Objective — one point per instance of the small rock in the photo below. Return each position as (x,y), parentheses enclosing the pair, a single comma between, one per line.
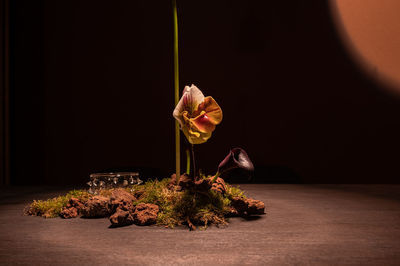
(75,202)
(121,218)
(97,206)
(120,198)
(121,202)
(72,209)
(68,213)
(138,193)
(145,214)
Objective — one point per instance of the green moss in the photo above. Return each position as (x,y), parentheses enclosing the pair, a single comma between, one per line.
(234,191)
(79,194)
(176,208)
(152,191)
(52,207)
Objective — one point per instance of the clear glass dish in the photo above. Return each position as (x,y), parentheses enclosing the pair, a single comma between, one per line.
(99,181)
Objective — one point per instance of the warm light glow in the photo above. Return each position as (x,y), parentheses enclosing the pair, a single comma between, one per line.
(371,32)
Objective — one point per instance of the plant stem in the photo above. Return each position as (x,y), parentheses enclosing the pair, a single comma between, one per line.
(176,83)
(194,162)
(215,177)
(187,161)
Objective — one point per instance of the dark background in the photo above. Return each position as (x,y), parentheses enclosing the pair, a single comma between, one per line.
(92,89)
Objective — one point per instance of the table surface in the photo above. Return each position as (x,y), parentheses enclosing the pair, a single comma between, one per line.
(304,225)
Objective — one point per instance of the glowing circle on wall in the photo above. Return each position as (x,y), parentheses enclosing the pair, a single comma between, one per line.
(370,30)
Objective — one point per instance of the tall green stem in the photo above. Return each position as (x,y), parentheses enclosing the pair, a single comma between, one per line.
(176,83)
(193,162)
(187,161)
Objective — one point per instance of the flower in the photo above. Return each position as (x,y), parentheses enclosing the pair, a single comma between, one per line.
(237,158)
(197,115)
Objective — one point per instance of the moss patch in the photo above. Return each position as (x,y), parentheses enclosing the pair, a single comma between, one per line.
(52,207)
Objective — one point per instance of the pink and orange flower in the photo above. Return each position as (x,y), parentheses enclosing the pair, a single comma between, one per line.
(197,115)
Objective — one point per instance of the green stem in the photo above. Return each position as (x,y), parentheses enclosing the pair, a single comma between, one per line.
(194,162)
(176,83)
(187,161)
(215,177)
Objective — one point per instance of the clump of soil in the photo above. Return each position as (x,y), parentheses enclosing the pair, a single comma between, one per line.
(192,202)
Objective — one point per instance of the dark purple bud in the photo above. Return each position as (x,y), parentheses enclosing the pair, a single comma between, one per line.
(237,158)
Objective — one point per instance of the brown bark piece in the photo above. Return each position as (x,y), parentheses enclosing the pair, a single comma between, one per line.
(185,182)
(242,206)
(218,185)
(203,185)
(255,207)
(191,226)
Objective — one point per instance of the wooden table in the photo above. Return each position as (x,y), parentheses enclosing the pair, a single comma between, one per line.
(304,225)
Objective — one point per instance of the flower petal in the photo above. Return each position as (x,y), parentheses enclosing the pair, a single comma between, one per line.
(212,109)
(178,113)
(189,102)
(195,137)
(243,159)
(192,97)
(203,123)
(237,158)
